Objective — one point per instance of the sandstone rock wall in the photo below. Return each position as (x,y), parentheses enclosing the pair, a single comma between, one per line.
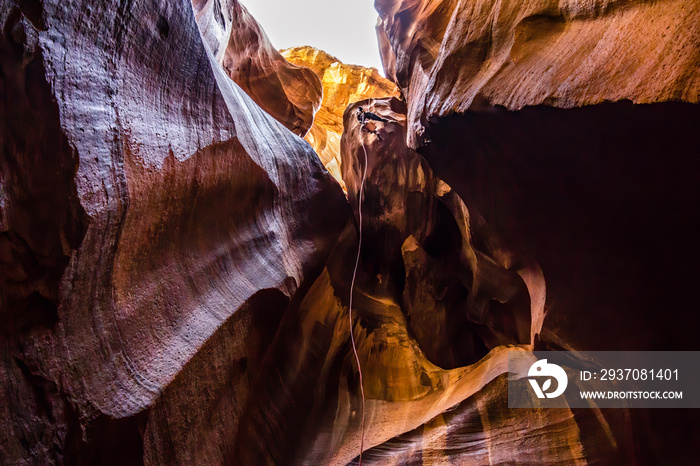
(439,301)
(291,94)
(342,85)
(570,128)
(426,325)
(147,204)
(176,263)
(454,55)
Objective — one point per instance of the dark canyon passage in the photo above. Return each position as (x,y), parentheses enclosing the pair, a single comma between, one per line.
(176,262)
(607,199)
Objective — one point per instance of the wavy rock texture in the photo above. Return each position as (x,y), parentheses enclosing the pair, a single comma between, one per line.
(465,310)
(573,186)
(291,94)
(438,303)
(155,224)
(176,264)
(463,297)
(532,112)
(342,85)
(453,55)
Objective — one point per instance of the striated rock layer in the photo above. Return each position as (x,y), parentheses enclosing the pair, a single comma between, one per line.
(438,302)
(342,85)
(154,225)
(411,218)
(454,55)
(176,264)
(464,297)
(534,119)
(570,128)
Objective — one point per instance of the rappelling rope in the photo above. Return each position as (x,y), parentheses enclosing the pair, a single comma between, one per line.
(352,287)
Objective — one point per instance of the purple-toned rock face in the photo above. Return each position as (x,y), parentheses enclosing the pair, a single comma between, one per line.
(147,205)
(176,264)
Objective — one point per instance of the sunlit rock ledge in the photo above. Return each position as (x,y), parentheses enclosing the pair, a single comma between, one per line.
(342,85)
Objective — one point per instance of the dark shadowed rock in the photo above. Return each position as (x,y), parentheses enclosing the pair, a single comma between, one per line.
(451,56)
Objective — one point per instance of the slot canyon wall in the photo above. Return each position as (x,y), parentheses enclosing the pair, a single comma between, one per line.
(156,224)
(176,262)
(342,84)
(570,128)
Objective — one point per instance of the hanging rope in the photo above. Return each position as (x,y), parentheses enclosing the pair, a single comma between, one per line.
(352,287)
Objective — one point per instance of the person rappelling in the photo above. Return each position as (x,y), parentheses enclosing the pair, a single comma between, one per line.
(367,120)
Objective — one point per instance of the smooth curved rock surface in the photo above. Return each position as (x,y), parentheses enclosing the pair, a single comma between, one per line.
(451,56)
(147,203)
(569,127)
(482,430)
(291,94)
(342,85)
(413,221)
(473,306)
(438,303)
(176,264)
